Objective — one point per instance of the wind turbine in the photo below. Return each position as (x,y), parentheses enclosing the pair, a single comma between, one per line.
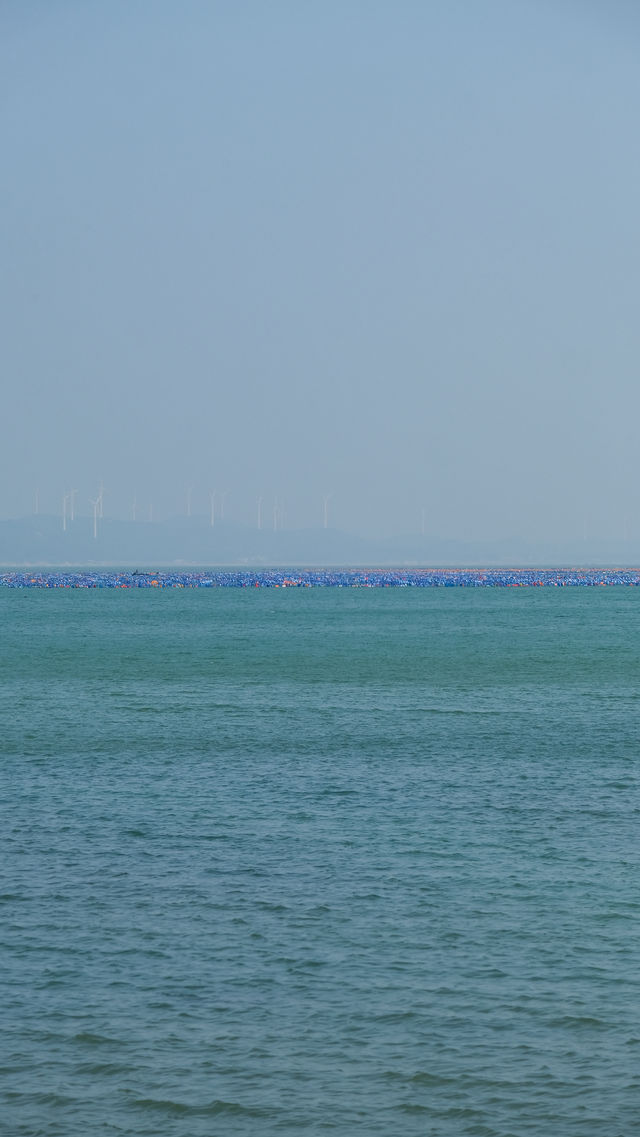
(72,495)
(212,501)
(65,498)
(260,512)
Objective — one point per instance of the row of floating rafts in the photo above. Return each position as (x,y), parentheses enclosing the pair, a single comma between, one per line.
(328,578)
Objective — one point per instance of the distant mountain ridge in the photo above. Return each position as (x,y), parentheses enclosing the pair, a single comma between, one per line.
(41,540)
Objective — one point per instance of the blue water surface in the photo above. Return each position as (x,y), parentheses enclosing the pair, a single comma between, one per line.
(320,860)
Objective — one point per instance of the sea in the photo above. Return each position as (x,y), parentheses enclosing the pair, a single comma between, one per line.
(303,860)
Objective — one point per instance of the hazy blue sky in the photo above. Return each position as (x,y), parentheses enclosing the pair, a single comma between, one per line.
(387,251)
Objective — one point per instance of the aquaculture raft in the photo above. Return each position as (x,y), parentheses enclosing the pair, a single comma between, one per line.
(329,578)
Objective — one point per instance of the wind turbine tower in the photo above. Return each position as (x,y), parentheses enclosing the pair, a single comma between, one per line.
(326,499)
(95,505)
(278,514)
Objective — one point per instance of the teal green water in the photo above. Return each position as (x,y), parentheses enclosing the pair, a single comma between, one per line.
(320,860)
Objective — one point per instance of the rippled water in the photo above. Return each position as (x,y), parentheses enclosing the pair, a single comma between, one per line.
(306,861)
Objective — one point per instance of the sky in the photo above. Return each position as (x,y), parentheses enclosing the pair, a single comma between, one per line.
(382,254)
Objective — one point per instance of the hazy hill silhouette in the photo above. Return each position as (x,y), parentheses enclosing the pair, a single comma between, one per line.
(41,540)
